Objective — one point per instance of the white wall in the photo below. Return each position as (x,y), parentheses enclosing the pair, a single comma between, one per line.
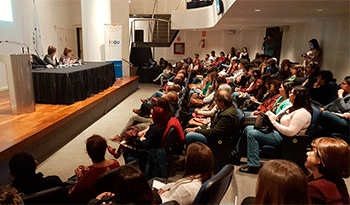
(332,34)
(146,6)
(215,40)
(120,16)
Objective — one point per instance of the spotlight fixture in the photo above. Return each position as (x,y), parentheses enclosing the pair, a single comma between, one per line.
(257,10)
(320,9)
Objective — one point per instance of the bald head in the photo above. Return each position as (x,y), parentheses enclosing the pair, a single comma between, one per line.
(224,97)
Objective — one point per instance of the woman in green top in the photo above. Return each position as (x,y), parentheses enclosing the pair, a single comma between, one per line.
(283,101)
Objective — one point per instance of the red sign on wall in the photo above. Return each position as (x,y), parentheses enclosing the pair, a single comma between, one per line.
(204,33)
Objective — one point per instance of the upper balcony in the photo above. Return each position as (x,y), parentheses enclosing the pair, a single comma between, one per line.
(199,18)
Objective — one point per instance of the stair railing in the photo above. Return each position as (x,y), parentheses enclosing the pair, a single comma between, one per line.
(154,21)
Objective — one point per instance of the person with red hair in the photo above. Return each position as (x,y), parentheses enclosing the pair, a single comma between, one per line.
(151,142)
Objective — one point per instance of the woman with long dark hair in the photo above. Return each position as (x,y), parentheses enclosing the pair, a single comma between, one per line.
(199,164)
(295,120)
(313,54)
(130,186)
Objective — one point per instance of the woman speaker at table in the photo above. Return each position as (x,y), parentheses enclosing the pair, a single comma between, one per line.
(67,57)
(51,57)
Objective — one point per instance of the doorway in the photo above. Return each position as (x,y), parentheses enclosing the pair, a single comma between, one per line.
(80,42)
(277,34)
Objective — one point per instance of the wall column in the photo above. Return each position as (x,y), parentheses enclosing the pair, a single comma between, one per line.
(94,14)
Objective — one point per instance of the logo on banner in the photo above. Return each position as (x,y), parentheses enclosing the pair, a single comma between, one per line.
(114,43)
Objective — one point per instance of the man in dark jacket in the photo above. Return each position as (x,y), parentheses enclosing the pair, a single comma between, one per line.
(22,167)
(223,122)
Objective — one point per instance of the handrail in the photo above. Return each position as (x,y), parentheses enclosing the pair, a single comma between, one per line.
(179,4)
(151,25)
(127,62)
(151,19)
(133,27)
(154,7)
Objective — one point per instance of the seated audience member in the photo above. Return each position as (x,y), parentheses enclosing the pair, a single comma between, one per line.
(329,163)
(84,188)
(51,57)
(163,63)
(197,68)
(202,89)
(283,102)
(164,75)
(242,80)
(252,87)
(296,75)
(271,66)
(323,91)
(9,195)
(199,163)
(280,182)
(67,57)
(237,71)
(147,106)
(295,120)
(269,103)
(244,54)
(268,90)
(219,85)
(151,141)
(129,187)
(22,167)
(312,72)
(335,117)
(38,63)
(221,124)
(222,58)
(284,71)
(143,123)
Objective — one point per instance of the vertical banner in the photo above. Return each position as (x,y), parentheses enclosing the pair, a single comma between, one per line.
(113,47)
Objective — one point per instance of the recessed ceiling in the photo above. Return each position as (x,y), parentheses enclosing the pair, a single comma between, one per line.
(267,13)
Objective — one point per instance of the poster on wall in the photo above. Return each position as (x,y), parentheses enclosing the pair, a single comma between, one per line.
(179,48)
(113,47)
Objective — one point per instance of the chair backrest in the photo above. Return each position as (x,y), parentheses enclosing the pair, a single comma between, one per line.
(213,190)
(55,195)
(104,181)
(316,116)
(239,126)
(170,138)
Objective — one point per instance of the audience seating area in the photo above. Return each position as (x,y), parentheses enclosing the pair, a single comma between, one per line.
(250,88)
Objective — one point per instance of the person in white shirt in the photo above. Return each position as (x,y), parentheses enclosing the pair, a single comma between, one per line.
(199,163)
(296,120)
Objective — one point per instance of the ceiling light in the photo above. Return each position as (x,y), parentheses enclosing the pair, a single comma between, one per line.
(319,10)
(257,10)
(129,1)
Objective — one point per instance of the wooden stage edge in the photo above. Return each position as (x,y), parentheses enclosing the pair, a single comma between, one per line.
(50,127)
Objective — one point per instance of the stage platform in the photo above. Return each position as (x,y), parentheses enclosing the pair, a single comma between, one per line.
(50,127)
